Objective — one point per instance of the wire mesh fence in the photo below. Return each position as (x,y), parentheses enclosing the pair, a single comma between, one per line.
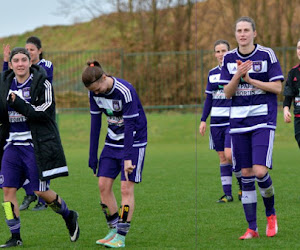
(163,80)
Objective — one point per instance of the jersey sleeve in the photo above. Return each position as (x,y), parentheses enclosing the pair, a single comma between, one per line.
(274,70)
(208,101)
(130,114)
(5,66)
(225,76)
(289,88)
(96,115)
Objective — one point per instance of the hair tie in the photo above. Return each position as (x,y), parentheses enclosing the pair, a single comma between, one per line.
(92,65)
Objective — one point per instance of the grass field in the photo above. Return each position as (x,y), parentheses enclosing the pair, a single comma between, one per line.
(175,203)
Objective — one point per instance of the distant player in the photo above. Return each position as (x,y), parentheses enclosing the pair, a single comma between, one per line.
(30,145)
(253,77)
(34,47)
(292,94)
(218,107)
(124,149)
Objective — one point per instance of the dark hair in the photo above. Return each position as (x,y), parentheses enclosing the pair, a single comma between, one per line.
(19,50)
(218,42)
(37,42)
(92,73)
(246,19)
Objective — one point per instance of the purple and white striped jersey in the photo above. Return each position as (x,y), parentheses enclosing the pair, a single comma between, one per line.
(251,107)
(121,105)
(219,107)
(19,132)
(48,66)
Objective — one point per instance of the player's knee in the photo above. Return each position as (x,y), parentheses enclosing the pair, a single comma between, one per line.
(103,188)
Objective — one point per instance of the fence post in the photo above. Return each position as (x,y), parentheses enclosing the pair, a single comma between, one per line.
(202,75)
(122,63)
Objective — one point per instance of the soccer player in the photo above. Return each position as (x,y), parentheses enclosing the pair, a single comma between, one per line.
(253,77)
(218,107)
(34,46)
(124,148)
(291,93)
(30,145)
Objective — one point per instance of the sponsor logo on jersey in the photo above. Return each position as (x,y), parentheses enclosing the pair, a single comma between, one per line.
(109,112)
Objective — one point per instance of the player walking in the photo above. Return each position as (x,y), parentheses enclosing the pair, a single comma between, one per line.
(218,107)
(30,146)
(253,76)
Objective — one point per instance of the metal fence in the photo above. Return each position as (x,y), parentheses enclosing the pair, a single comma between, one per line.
(163,80)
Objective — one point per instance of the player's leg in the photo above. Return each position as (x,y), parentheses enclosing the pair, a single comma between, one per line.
(109,168)
(127,191)
(41,188)
(41,204)
(263,141)
(226,178)
(29,197)
(109,207)
(297,129)
(228,155)
(59,206)
(242,158)
(217,139)
(12,175)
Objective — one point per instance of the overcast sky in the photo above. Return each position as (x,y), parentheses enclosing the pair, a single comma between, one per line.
(20,16)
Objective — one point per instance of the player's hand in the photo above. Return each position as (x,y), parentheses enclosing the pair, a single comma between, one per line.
(6,52)
(128,168)
(12,97)
(243,68)
(202,128)
(93,165)
(287,115)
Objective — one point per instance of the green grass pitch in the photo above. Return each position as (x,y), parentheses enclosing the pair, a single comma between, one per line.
(175,203)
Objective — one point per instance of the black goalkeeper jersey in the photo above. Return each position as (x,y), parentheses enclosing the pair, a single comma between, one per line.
(291,89)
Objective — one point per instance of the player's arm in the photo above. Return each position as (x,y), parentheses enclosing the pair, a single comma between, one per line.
(205,114)
(289,93)
(273,87)
(39,112)
(6,54)
(96,116)
(130,114)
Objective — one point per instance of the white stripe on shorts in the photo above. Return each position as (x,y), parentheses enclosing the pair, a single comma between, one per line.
(42,186)
(139,165)
(270,149)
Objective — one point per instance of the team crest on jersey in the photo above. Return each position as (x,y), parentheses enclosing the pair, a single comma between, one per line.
(116,105)
(26,93)
(1,179)
(257,66)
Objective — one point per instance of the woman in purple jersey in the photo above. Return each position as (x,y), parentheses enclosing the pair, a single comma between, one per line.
(219,124)
(30,145)
(34,47)
(124,149)
(253,76)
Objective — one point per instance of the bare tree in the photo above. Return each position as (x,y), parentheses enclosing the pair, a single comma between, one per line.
(82,10)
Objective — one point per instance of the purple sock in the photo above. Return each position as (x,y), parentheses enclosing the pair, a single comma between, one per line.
(267,192)
(249,200)
(226,178)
